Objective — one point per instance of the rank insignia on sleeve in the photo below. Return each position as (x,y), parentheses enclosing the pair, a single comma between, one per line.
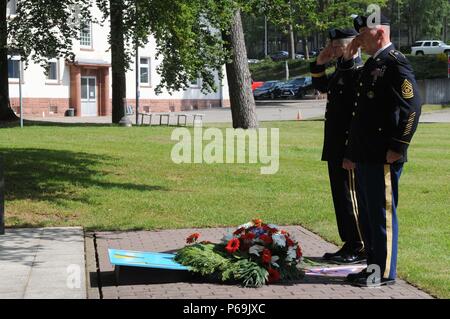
(407,90)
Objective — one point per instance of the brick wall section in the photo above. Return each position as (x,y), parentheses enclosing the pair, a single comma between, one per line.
(58,107)
(38,106)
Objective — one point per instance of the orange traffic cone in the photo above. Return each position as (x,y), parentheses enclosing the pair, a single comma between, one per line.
(299,116)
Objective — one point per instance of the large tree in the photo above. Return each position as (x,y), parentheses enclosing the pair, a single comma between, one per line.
(243,106)
(6,113)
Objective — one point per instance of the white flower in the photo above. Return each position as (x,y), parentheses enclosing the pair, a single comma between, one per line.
(227,238)
(247,226)
(291,254)
(256,249)
(279,239)
(274,261)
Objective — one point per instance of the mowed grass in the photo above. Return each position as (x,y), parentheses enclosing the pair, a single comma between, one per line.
(110,178)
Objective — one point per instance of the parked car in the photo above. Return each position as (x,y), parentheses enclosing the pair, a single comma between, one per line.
(253,61)
(297,88)
(429,47)
(270,90)
(280,56)
(256,85)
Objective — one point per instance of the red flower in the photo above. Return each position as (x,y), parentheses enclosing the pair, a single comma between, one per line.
(266,256)
(232,246)
(299,252)
(266,239)
(289,242)
(248,236)
(193,238)
(274,276)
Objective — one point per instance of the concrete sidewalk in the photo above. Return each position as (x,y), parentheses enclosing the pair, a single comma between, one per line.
(162,285)
(42,263)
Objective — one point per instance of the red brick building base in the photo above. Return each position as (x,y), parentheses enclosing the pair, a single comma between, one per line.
(46,107)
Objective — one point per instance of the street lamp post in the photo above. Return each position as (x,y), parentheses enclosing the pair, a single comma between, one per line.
(399,27)
(137,82)
(266,42)
(2,198)
(20,94)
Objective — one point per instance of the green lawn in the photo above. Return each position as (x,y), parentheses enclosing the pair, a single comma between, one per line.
(109,178)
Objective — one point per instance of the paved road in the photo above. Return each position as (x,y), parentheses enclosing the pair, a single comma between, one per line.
(169,285)
(42,263)
(436,117)
(266,111)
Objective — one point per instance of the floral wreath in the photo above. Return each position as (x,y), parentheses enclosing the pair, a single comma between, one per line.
(254,255)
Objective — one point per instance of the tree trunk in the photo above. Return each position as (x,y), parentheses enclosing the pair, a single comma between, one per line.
(445,29)
(243,107)
(306,48)
(118,66)
(6,113)
(291,43)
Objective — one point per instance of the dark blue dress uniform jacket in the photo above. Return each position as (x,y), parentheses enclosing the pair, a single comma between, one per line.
(388,107)
(341,90)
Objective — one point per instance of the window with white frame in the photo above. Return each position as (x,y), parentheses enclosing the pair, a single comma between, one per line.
(86,34)
(195,83)
(53,71)
(14,68)
(145,71)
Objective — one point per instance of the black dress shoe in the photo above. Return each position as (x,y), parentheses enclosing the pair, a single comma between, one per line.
(353,277)
(372,283)
(349,258)
(340,252)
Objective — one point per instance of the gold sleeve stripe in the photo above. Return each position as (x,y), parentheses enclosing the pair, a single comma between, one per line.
(317,75)
(400,141)
(410,124)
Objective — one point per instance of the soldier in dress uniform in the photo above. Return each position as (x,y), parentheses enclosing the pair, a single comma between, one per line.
(388,107)
(340,88)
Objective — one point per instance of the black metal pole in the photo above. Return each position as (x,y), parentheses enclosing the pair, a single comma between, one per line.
(2,198)
(137,82)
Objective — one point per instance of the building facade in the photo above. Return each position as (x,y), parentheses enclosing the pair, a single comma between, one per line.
(85,85)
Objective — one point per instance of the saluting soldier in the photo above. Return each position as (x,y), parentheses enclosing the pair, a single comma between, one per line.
(388,107)
(340,88)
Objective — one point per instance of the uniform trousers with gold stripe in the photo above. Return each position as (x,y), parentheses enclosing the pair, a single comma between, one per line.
(343,190)
(377,191)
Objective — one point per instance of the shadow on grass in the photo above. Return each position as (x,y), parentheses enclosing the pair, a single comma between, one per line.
(52,175)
